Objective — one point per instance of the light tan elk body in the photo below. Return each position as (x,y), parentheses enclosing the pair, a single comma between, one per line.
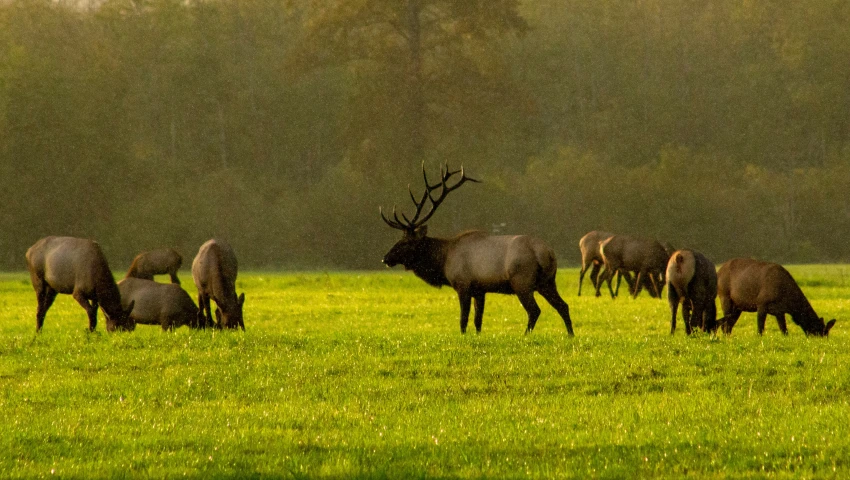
(746,285)
(77,267)
(644,257)
(214,272)
(692,281)
(591,256)
(475,263)
(156,262)
(164,304)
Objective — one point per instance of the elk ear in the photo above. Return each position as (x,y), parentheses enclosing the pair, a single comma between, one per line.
(828,326)
(241,298)
(421,232)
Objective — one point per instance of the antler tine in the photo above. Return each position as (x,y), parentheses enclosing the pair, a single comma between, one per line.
(389,222)
(444,191)
(446,174)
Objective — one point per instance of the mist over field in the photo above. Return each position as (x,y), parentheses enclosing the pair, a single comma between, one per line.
(282,125)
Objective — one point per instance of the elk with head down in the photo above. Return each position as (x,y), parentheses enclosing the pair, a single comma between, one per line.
(692,281)
(156,262)
(214,271)
(592,256)
(746,285)
(475,263)
(77,267)
(163,304)
(647,258)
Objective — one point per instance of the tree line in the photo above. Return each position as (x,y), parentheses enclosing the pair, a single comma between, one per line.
(283,125)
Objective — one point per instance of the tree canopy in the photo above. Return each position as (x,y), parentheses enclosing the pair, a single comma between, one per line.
(282,125)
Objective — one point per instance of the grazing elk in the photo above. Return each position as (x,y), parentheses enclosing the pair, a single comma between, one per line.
(156,262)
(214,271)
(591,256)
(644,257)
(475,263)
(746,285)
(692,281)
(164,304)
(77,267)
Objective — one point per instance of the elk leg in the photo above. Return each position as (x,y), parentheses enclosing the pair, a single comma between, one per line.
(729,321)
(654,285)
(530,305)
(709,321)
(638,285)
(673,299)
(45,299)
(599,280)
(761,317)
(609,275)
(581,277)
(91,309)
(686,315)
(619,278)
(479,312)
(629,281)
(174,278)
(549,291)
(783,327)
(205,310)
(465,302)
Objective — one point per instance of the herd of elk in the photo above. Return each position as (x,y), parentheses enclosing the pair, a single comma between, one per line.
(77,267)
(473,263)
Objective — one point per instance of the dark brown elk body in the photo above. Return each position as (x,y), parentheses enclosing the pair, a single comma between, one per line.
(156,262)
(77,267)
(214,272)
(692,281)
(475,263)
(591,256)
(644,257)
(164,304)
(746,285)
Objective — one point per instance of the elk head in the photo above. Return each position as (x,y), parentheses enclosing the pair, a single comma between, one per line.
(826,328)
(412,247)
(232,318)
(122,321)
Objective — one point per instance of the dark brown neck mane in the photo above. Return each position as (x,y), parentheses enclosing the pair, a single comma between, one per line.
(430,261)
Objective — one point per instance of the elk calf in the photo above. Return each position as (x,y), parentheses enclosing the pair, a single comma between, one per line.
(164,304)
(746,285)
(692,281)
(77,267)
(156,262)
(475,263)
(214,272)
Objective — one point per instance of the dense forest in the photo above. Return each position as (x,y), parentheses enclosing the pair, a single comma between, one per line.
(283,125)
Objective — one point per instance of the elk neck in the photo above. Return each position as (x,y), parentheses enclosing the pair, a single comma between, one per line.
(430,261)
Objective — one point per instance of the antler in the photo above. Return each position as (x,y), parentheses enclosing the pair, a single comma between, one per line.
(445,174)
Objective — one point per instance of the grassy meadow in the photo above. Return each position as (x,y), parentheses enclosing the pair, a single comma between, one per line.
(365,374)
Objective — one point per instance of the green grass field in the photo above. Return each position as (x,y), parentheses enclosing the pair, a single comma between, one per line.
(367,375)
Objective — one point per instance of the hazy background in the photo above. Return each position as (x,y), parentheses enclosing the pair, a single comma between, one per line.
(723,125)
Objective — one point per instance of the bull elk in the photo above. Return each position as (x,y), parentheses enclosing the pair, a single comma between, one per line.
(692,281)
(76,267)
(746,285)
(156,262)
(214,271)
(474,263)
